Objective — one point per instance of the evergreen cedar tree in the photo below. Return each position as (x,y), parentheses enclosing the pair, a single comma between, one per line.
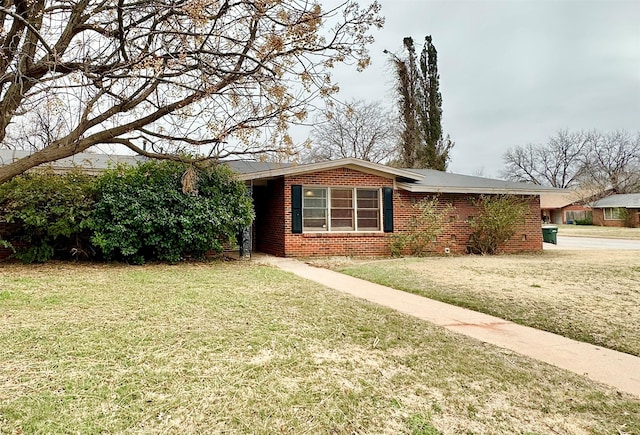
(420,105)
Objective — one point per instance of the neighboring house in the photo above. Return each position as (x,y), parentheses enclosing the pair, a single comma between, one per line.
(617,210)
(350,206)
(563,207)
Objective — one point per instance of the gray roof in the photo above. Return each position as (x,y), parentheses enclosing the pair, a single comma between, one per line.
(264,171)
(446,182)
(413,180)
(90,162)
(251,166)
(627,200)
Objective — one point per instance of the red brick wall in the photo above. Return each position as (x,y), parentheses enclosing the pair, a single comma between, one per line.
(456,231)
(598,218)
(270,225)
(270,216)
(327,244)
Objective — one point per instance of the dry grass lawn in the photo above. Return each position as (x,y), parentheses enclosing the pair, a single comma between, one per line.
(239,348)
(597,231)
(590,296)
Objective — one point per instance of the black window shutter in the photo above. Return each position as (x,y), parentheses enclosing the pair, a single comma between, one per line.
(387,211)
(296,209)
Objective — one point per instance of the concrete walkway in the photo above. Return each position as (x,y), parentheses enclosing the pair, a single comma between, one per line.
(616,369)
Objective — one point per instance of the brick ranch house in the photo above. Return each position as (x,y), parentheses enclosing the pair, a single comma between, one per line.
(564,207)
(349,207)
(617,210)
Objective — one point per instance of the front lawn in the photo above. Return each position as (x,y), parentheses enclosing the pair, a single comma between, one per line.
(598,231)
(587,296)
(241,348)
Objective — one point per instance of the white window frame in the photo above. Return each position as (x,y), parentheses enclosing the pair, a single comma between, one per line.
(613,213)
(354,199)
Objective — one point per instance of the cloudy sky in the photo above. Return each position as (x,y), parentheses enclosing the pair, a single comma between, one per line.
(514,72)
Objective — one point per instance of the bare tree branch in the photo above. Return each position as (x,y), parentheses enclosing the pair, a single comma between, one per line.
(358,129)
(210,78)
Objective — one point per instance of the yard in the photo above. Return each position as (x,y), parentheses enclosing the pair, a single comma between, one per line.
(597,231)
(243,348)
(592,296)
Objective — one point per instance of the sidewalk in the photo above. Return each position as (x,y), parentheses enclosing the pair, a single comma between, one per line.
(616,369)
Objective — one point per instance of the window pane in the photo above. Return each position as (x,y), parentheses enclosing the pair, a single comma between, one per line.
(367,198)
(315,224)
(368,224)
(316,197)
(314,209)
(315,203)
(368,209)
(341,219)
(368,220)
(315,213)
(342,209)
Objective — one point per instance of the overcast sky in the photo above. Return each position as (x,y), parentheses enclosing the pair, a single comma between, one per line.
(514,72)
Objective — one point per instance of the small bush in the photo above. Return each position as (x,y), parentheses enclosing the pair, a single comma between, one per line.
(168,210)
(51,211)
(628,217)
(587,221)
(427,221)
(497,221)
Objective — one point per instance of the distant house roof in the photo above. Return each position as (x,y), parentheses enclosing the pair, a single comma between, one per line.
(562,198)
(412,180)
(627,200)
(90,162)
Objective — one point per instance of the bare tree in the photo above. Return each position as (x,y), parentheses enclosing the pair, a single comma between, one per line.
(612,163)
(213,77)
(559,163)
(359,129)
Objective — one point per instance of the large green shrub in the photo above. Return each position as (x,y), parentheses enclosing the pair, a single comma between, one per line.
(51,211)
(497,221)
(163,210)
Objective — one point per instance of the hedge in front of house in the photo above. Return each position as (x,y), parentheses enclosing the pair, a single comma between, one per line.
(164,210)
(50,213)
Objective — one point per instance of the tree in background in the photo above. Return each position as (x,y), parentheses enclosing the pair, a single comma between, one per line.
(558,163)
(612,163)
(420,106)
(161,77)
(598,163)
(359,129)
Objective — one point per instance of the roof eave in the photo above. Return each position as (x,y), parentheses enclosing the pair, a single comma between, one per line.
(472,190)
(360,165)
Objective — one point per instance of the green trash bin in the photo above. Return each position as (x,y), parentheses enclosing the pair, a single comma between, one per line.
(550,234)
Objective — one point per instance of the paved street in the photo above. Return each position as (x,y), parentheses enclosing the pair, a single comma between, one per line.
(568,242)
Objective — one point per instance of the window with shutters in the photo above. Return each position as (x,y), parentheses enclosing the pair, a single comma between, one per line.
(340,209)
